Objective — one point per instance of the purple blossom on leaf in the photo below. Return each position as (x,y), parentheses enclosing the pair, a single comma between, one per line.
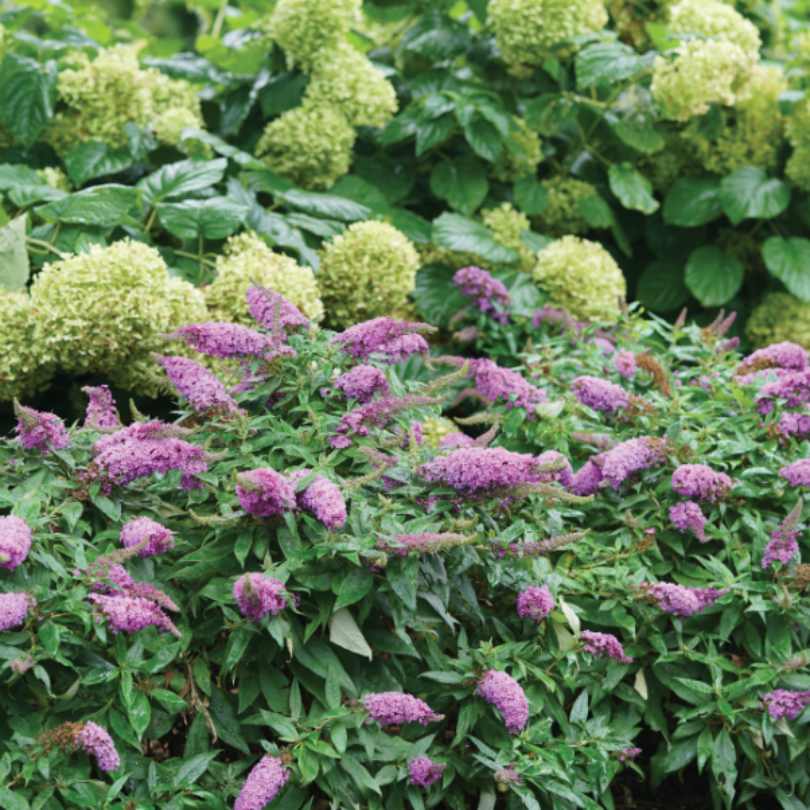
(564,476)
(228,341)
(797,473)
(129,614)
(794,425)
(265,492)
(160,539)
(587,479)
(599,394)
(95,740)
(625,362)
(487,293)
(701,483)
(778,355)
(604,645)
(272,311)
(14,608)
(387,340)
(689,517)
(505,693)
(361,420)
(257,594)
(678,599)
(323,498)
(507,776)
(363,383)
(783,545)
(619,463)
(793,387)
(197,384)
(783,703)
(498,383)
(396,708)
(15,541)
(422,772)
(101,410)
(535,603)
(40,431)
(264,782)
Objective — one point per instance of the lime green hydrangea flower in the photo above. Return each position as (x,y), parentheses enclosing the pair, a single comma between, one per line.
(528,31)
(779,317)
(305,28)
(752,132)
(435,429)
(506,225)
(56,178)
(103,311)
(168,128)
(24,369)
(798,131)
(345,79)
(367,272)
(512,166)
(666,165)
(716,20)
(248,258)
(562,214)
(581,277)
(701,73)
(312,146)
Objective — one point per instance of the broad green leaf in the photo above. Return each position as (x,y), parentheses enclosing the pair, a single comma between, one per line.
(436,37)
(693,201)
(283,92)
(181,178)
(484,138)
(13,255)
(633,189)
(222,147)
(19,175)
(596,212)
(27,96)
(433,132)
(748,192)
(607,62)
(214,218)
(639,134)
(192,769)
(359,773)
(724,763)
(344,632)
(169,700)
(457,232)
(463,183)
(9,800)
(789,261)
(704,747)
(661,286)
(579,711)
(139,713)
(531,196)
(329,205)
(680,755)
(435,296)
(712,276)
(96,159)
(99,205)
(354,587)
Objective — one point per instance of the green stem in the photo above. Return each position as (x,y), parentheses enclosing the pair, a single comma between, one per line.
(49,248)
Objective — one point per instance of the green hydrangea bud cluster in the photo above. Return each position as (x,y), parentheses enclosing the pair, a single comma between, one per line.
(112,90)
(752,132)
(506,225)
(168,128)
(249,259)
(55,178)
(581,277)
(103,311)
(529,31)
(367,272)
(512,166)
(562,213)
(666,165)
(716,20)
(779,317)
(798,131)
(24,369)
(435,429)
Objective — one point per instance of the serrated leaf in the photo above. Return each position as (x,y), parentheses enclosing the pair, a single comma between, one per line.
(748,192)
(661,287)
(633,189)
(531,196)
(693,201)
(596,212)
(96,159)
(463,183)
(182,177)
(99,205)
(437,300)
(606,62)
(432,132)
(640,135)
(214,218)
(14,269)
(712,276)
(484,138)
(789,261)
(457,232)
(27,95)
(436,37)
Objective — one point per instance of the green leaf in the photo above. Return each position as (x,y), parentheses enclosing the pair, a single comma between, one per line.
(484,138)
(139,713)
(214,218)
(435,296)
(724,762)
(96,159)
(181,178)
(190,770)
(358,772)
(283,92)
(661,286)
(712,276)
(639,134)
(436,36)
(463,183)
(433,132)
(19,175)
(704,747)
(748,192)
(633,189)
(354,587)
(329,205)
(27,95)
(680,755)
(789,261)
(693,201)
(169,700)
(530,195)
(12,801)
(457,232)
(14,268)
(344,632)
(596,212)
(99,205)
(607,62)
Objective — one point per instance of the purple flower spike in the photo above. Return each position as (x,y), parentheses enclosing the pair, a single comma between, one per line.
(505,693)
(497,383)
(15,541)
(264,303)
(95,740)
(701,483)
(396,708)
(14,608)
(265,492)
(793,387)
(535,603)
(197,384)
(263,784)
(689,517)
(363,383)
(600,395)
(423,543)
(619,463)
(228,341)
(629,754)
(423,772)
(40,431)
(785,703)
(778,355)
(678,599)
(101,410)
(129,614)
(160,539)
(387,340)
(323,498)
(625,362)
(604,645)
(797,473)
(507,776)
(783,545)
(456,440)
(487,294)
(257,594)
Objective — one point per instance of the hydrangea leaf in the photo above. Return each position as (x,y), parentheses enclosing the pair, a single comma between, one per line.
(99,205)
(693,201)
(748,192)
(463,183)
(633,189)
(661,286)
(607,62)
(789,261)
(457,232)
(214,218)
(27,95)
(712,276)
(13,255)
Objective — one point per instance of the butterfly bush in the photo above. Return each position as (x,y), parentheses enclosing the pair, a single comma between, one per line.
(259,594)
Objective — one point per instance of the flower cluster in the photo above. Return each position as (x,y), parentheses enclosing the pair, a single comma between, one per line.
(487,294)
(257,595)
(604,645)
(689,516)
(129,614)
(221,339)
(360,421)
(158,538)
(423,772)
(498,383)
(797,473)
(272,311)
(323,498)
(507,776)
(396,708)
(384,340)
(625,362)
(96,741)
(535,603)
(783,544)
(678,599)
(363,383)
(15,541)
(101,410)
(629,753)
(505,693)
(701,483)
(600,395)
(783,703)
(423,543)
(264,782)
(195,383)
(14,608)
(265,492)
(616,465)
(40,431)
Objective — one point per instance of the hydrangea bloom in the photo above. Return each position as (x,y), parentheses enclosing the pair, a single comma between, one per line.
(422,772)
(423,542)
(600,395)
(15,541)
(783,545)
(95,740)
(129,614)
(688,516)
(363,383)
(101,410)
(381,338)
(680,600)
(498,383)
(257,594)
(396,708)
(604,645)
(40,431)
(268,776)
(14,608)
(625,362)
(265,492)
(505,693)
(160,538)
(785,703)
(323,498)
(784,355)
(535,603)
(272,311)
(797,473)
(488,294)
(506,776)
(197,384)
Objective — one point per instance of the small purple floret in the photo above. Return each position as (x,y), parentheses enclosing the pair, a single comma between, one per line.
(604,645)
(396,708)
(95,740)
(15,541)
(535,603)
(423,772)
(487,293)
